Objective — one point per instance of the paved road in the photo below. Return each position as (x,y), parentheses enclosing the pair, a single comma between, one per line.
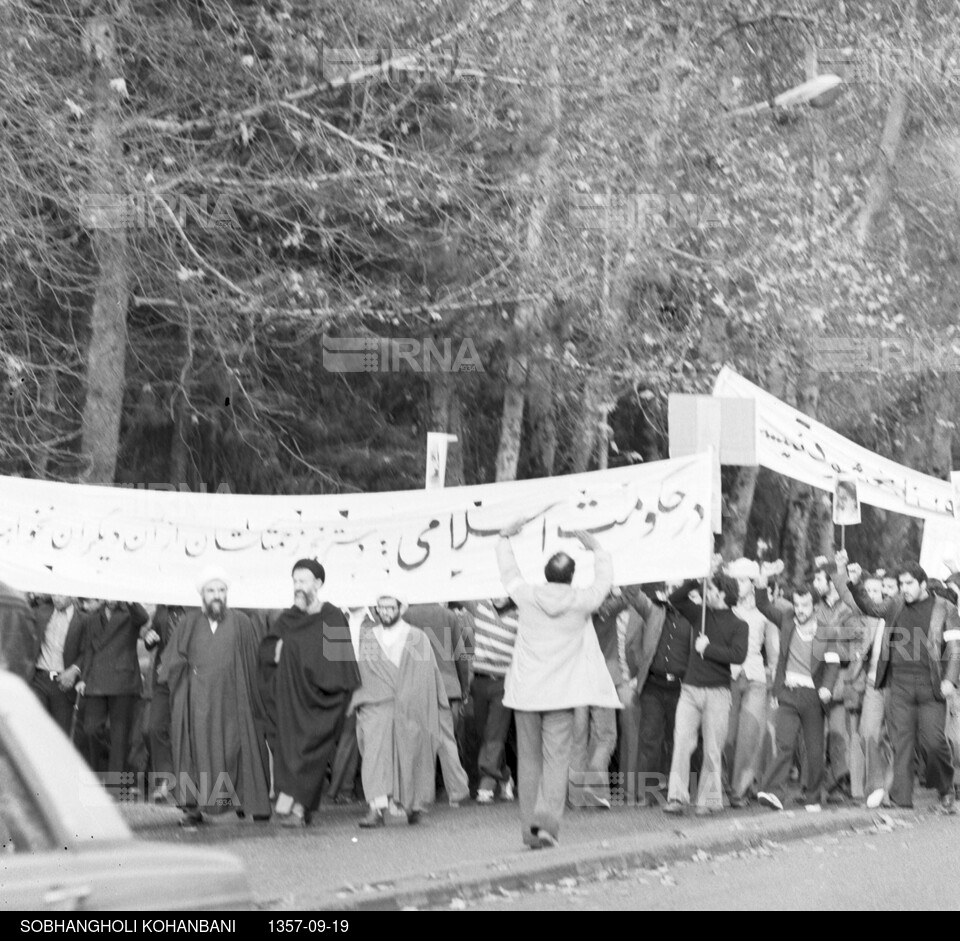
(290,868)
(906,862)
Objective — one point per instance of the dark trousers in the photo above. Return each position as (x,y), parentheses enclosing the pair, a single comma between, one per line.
(346,762)
(58,703)
(917,721)
(161,749)
(118,710)
(492,721)
(800,709)
(658,710)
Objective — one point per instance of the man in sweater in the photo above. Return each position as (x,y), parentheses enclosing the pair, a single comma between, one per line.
(495,633)
(557,666)
(721,640)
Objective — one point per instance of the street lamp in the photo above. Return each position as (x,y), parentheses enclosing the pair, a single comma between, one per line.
(818,92)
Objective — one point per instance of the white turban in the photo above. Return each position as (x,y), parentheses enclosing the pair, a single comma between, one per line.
(743,568)
(390,591)
(213,573)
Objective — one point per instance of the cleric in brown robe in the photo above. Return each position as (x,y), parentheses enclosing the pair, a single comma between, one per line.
(219,761)
(398,714)
(316,672)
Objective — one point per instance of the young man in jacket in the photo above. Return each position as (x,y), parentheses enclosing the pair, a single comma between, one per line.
(807,670)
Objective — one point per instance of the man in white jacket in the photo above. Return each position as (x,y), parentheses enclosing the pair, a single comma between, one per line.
(557,665)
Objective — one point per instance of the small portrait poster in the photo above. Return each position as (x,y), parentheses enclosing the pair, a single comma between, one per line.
(846,503)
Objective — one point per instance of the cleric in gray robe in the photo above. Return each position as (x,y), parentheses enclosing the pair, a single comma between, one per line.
(398,714)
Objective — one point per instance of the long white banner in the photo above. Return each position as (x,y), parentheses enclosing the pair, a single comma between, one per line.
(797,446)
(151,546)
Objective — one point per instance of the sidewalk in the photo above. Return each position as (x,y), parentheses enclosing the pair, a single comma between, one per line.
(470,851)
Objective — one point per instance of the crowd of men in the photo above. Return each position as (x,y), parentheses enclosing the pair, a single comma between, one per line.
(705,695)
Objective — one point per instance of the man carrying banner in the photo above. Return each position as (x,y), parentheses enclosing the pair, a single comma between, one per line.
(722,641)
(210,668)
(315,676)
(557,666)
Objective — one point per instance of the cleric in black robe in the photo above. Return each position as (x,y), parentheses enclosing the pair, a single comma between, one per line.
(316,673)
(211,667)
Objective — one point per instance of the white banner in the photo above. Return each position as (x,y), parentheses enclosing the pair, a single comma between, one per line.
(941,541)
(151,546)
(800,447)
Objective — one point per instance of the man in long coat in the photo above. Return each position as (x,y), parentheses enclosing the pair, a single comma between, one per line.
(398,714)
(210,667)
(309,689)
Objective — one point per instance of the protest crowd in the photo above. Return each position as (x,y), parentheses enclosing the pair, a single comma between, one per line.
(693,697)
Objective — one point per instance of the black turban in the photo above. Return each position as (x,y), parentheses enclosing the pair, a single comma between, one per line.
(311,565)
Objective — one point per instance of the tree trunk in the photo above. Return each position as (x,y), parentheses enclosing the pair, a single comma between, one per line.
(737,513)
(108,335)
(801,498)
(179,449)
(446,416)
(881,184)
(542,415)
(529,312)
(583,445)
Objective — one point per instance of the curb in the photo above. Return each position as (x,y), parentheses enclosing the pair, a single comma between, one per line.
(586,861)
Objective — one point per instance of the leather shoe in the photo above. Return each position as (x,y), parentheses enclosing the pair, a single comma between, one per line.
(373,819)
(295,821)
(673,807)
(414,817)
(948,804)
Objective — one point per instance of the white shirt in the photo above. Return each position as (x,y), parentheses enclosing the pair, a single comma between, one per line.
(753,666)
(54,637)
(213,626)
(356,617)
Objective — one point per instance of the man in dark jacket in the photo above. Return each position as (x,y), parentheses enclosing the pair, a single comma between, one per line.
(18,633)
(920,665)
(111,682)
(657,656)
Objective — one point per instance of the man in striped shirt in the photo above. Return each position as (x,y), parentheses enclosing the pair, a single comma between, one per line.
(495,634)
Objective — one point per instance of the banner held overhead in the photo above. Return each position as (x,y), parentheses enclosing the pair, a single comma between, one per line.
(437,545)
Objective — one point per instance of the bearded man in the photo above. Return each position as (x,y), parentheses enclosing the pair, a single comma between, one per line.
(398,714)
(210,667)
(314,676)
